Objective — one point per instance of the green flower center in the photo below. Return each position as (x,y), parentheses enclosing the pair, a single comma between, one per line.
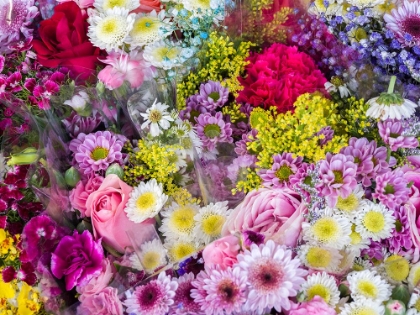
(283,173)
(99,153)
(389,189)
(193,114)
(390,99)
(212,131)
(338,177)
(308,181)
(155,116)
(398,226)
(214,96)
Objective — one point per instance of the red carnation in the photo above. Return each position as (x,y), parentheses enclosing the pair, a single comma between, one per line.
(278,76)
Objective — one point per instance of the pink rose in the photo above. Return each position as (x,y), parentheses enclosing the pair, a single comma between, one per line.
(98,283)
(106,208)
(275,213)
(222,252)
(80,193)
(316,306)
(414,177)
(106,302)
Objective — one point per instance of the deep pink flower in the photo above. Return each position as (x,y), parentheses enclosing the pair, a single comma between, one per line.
(284,165)
(391,133)
(392,189)
(338,177)
(77,258)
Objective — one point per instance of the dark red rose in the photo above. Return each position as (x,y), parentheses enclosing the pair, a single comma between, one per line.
(64,42)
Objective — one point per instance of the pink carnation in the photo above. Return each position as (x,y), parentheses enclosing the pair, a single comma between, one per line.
(316,306)
(81,192)
(278,76)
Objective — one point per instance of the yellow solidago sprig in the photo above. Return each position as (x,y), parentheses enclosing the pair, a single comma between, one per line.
(220,60)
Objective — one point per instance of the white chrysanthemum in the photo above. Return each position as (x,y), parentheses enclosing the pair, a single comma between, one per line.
(319,258)
(209,222)
(323,285)
(375,221)
(363,306)
(414,276)
(334,8)
(365,3)
(414,304)
(403,109)
(156,118)
(178,221)
(135,261)
(149,28)
(179,250)
(163,55)
(361,264)
(146,200)
(152,255)
(337,84)
(368,284)
(202,5)
(330,230)
(109,30)
(103,5)
(350,206)
(357,241)
(179,158)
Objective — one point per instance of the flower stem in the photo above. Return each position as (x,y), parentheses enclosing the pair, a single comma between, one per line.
(392,84)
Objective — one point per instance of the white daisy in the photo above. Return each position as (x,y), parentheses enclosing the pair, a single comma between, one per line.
(319,258)
(149,28)
(103,5)
(108,30)
(350,206)
(368,284)
(330,230)
(146,200)
(202,5)
(135,261)
(152,255)
(163,55)
(337,84)
(414,304)
(209,221)
(178,221)
(179,250)
(323,285)
(363,306)
(414,276)
(179,158)
(375,221)
(156,118)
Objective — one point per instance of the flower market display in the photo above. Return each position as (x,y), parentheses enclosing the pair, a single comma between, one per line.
(210,157)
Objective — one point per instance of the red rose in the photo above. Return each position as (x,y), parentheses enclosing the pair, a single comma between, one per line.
(64,42)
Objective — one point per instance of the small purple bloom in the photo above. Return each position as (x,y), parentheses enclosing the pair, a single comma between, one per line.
(391,133)
(392,189)
(241,148)
(212,130)
(238,168)
(250,237)
(78,258)
(337,175)
(192,110)
(95,152)
(284,166)
(76,124)
(212,95)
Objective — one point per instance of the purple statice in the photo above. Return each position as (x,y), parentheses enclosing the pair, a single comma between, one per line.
(338,177)
(192,110)
(77,258)
(184,304)
(194,264)
(76,124)
(238,168)
(96,152)
(370,160)
(15,18)
(327,134)
(251,237)
(391,132)
(400,241)
(213,130)
(212,95)
(392,189)
(240,146)
(284,165)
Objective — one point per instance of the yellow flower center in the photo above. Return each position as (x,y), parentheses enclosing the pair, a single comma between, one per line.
(319,289)
(109,26)
(397,267)
(348,204)
(358,267)
(338,177)
(146,201)
(374,221)
(181,250)
(354,236)
(318,257)
(99,153)
(326,229)
(182,219)
(109,4)
(150,260)
(415,279)
(417,305)
(212,131)
(283,173)
(166,53)
(212,224)
(363,311)
(155,115)
(367,288)
(146,26)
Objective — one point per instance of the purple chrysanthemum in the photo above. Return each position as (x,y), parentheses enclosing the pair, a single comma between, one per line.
(95,152)
(327,133)
(212,130)
(284,166)
(370,160)
(76,124)
(302,175)
(272,277)
(220,292)
(153,298)
(192,110)
(212,95)
(337,175)
(400,242)
(392,189)
(391,133)
(184,304)
(241,148)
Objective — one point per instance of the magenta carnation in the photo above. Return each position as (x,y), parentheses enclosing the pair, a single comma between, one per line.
(77,258)
(278,76)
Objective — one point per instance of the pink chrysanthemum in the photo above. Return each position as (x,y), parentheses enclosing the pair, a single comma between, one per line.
(212,130)
(220,292)
(337,174)
(95,152)
(391,133)
(404,21)
(212,95)
(272,277)
(184,304)
(284,165)
(392,189)
(153,298)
